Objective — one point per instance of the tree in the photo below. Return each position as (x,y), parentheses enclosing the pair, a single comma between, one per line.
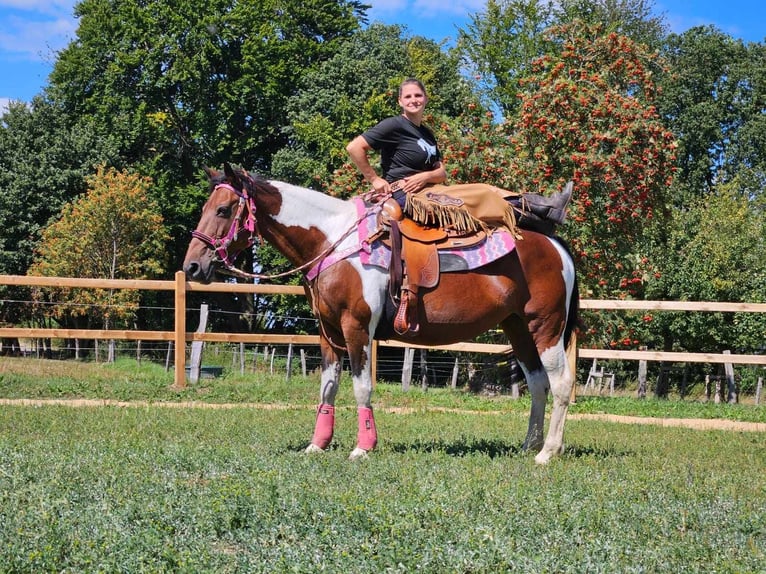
(182,81)
(589,115)
(185,83)
(714,252)
(713,98)
(634,19)
(114,231)
(44,157)
(354,90)
(500,43)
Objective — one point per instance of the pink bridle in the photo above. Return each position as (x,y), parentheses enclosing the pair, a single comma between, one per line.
(220,244)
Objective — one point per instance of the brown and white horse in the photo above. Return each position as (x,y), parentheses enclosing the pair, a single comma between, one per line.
(531,292)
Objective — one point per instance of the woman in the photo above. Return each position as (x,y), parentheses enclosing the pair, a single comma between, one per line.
(412,170)
(409,151)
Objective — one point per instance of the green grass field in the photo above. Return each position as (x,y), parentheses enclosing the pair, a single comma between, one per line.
(194,489)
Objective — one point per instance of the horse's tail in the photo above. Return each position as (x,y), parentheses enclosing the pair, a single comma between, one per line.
(573,316)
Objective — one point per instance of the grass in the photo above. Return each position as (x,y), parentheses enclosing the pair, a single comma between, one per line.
(147,489)
(108,489)
(126,380)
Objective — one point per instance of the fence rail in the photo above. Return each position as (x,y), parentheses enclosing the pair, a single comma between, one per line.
(180,336)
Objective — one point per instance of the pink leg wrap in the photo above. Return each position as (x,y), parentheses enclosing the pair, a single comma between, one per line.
(367,437)
(324,426)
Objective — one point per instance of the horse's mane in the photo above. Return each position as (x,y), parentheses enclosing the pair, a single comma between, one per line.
(312,204)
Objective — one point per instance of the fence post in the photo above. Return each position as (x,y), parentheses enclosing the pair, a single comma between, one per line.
(454,374)
(180,330)
(423,369)
(289,360)
(409,355)
(758,390)
(168,355)
(642,376)
(731,383)
(195,359)
(374,363)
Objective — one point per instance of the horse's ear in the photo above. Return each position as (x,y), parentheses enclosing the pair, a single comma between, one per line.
(229,171)
(211,173)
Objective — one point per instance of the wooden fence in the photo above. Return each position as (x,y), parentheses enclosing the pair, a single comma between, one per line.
(180,336)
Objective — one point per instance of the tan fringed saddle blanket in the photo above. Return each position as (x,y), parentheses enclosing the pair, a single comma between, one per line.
(464,208)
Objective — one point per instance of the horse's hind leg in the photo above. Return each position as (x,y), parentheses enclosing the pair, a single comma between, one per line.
(537,379)
(561,376)
(325,419)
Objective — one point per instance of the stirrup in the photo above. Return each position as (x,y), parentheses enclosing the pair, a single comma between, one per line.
(402,324)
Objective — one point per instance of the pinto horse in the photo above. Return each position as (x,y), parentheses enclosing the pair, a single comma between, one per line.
(530,291)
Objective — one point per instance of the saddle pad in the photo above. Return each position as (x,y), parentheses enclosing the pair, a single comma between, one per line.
(498,243)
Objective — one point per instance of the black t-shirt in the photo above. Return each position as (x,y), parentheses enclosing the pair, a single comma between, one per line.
(405,149)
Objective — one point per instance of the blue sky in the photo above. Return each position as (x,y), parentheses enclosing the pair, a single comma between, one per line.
(34,30)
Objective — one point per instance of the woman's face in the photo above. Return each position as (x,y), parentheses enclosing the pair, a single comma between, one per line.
(412,99)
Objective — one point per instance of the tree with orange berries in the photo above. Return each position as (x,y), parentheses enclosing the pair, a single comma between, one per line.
(587,113)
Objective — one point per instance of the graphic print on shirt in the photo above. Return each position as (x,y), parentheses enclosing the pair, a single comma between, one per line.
(429,149)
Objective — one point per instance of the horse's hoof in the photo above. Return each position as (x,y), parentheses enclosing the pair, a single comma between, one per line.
(358,454)
(312,448)
(532,445)
(545,455)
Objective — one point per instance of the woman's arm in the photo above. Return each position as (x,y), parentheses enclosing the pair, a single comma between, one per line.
(418,181)
(357,150)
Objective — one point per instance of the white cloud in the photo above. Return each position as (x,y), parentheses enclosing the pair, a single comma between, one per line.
(34,29)
(4,105)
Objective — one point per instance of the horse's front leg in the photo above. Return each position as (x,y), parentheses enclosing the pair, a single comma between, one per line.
(360,359)
(330,381)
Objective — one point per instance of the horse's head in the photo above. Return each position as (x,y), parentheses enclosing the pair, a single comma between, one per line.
(226,227)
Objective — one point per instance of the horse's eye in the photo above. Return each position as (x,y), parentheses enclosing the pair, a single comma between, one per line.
(223,211)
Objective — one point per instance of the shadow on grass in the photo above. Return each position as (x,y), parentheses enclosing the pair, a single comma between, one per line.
(498,448)
(599,453)
(467,447)
(460,447)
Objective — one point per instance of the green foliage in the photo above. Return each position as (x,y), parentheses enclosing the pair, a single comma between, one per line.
(714,252)
(501,42)
(634,19)
(351,92)
(114,231)
(44,158)
(499,45)
(179,85)
(713,99)
(588,115)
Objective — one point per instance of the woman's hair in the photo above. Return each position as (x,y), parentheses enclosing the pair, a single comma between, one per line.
(415,81)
